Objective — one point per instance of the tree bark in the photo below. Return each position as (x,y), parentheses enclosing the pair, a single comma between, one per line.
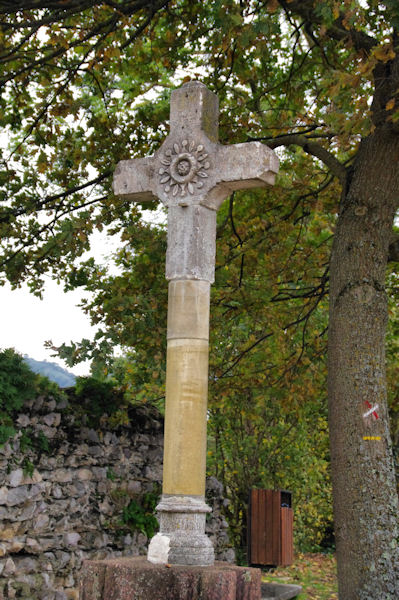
(364,486)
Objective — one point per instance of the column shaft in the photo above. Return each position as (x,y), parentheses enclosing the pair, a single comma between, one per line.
(186,388)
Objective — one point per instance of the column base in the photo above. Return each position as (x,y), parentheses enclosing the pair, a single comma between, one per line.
(128,578)
(181,539)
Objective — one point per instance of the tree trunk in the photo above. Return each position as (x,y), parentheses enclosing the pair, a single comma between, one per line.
(364,486)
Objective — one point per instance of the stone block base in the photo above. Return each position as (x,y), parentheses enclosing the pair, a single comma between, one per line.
(137,579)
(181,539)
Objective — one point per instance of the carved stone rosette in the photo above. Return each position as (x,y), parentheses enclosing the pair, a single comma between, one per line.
(184,166)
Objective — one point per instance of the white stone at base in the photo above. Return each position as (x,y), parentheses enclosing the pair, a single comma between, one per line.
(158,550)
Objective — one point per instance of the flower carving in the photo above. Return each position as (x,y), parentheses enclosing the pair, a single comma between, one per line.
(184,168)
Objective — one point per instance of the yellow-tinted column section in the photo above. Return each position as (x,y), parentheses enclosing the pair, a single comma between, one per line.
(186,388)
(185,418)
(188,310)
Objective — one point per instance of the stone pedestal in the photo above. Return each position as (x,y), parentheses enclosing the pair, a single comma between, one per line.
(181,539)
(138,579)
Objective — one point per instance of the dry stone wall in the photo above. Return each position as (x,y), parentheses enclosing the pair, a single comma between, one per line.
(69,507)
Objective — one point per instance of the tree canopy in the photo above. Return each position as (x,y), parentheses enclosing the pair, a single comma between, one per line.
(85,84)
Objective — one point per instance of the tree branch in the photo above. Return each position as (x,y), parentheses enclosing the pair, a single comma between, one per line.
(310,147)
(244,352)
(102,28)
(8,213)
(46,227)
(305,9)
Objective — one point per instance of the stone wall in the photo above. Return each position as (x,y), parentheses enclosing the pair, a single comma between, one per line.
(70,505)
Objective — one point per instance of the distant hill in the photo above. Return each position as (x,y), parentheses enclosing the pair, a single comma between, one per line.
(51,370)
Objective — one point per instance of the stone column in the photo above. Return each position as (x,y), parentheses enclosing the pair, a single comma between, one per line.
(186,388)
(191,174)
(190,271)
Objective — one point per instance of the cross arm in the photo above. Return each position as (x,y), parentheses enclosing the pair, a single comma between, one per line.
(242,166)
(247,165)
(135,179)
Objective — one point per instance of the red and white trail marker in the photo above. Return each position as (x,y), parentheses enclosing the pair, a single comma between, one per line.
(372,410)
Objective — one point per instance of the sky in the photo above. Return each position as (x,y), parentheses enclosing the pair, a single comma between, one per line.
(26,322)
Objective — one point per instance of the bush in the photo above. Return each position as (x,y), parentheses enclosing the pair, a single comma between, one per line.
(17,381)
(139,515)
(92,398)
(17,384)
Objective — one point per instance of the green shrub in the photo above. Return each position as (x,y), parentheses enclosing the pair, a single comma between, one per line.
(17,381)
(17,384)
(101,392)
(91,398)
(139,515)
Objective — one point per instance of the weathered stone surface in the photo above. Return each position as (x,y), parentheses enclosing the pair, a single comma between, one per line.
(18,495)
(52,419)
(188,309)
(191,245)
(49,432)
(58,507)
(192,174)
(194,109)
(134,487)
(279,591)
(3,495)
(248,583)
(181,539)
(128,578)
(23,420)
(71,539)
(84,474)
(191,168)
(17,477)
(41,523)
(131,182)
(25,565)
(63,476)
(9,567)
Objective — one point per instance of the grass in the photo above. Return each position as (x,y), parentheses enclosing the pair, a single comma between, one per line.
(316,573)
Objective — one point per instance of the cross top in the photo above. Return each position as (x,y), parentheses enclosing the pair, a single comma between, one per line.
(191,169)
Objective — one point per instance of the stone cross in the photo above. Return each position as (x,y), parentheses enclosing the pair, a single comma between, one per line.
(191,174)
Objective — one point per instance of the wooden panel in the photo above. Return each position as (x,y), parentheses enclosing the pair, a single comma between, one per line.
(270,528)
(254,527)
(265,527)
(260,533)
(275,528)
(287,542)
(267,540)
